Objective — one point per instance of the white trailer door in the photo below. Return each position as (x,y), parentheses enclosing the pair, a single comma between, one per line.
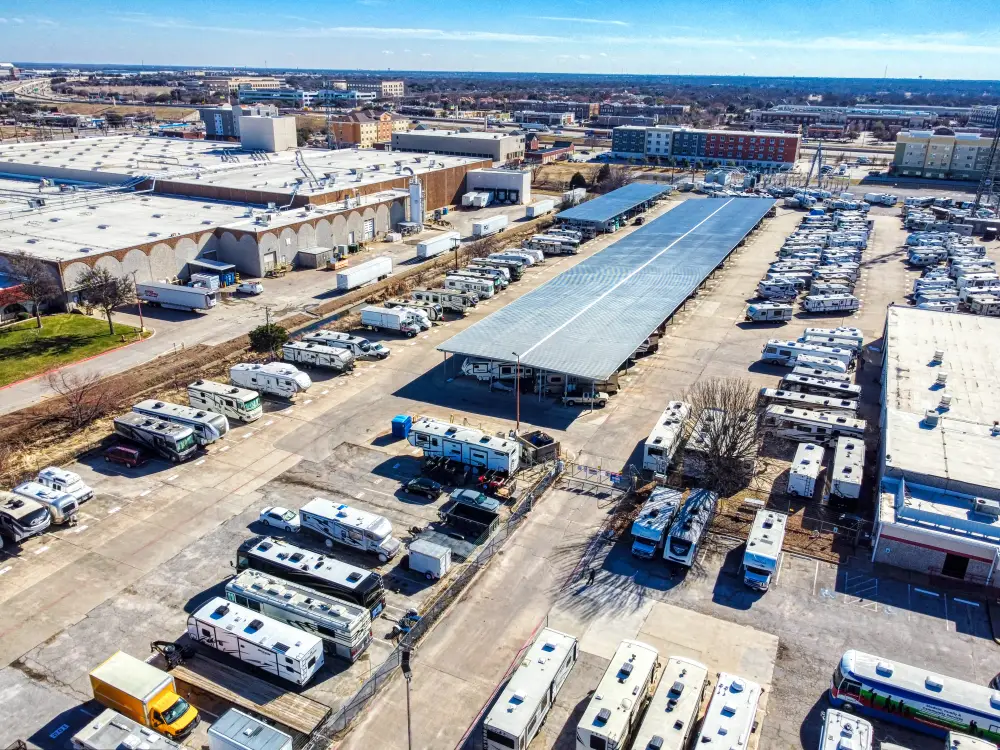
(270,260)
(368,229)
(479,457)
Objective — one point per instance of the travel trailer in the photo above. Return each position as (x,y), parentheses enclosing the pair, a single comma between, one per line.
(232,402)
(173,442)
(465,445)
(274,378)
(821,384)
(808,401)
(649,530)
(311,354)
(732,712)
(360,347)
(659,448)
(985,304)
(482,288)
(825,303)
(22,517)
(848,469)
(344,627)
(336,522)
(776,290)
(449,299)
(805,425)
(805,470)
(684,536)
(672,715)
(429,310)
(768,312)
(841,332)
(785,352)
(614,710)
(820,364)
(257,640)
(207,425)
(763,549)
(526,699)
(62,507)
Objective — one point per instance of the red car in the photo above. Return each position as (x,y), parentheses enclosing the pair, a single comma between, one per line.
(125,455)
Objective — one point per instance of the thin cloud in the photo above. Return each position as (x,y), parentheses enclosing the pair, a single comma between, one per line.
(3,20)
(388,52)
(17,20)
(575,19)
(425,54)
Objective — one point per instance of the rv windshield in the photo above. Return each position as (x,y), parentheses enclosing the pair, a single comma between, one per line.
(679,547)
(176,711)
(364,346)
(184,443)
(251,404)
(755,571)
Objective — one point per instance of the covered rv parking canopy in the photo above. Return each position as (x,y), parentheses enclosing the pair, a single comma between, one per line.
(589,319)
(608,212)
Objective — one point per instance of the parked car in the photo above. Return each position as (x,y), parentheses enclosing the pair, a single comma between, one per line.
(599,398)
(126,455)
(476,499)
(280,517)
(423,486)
(639,221)
(250,287)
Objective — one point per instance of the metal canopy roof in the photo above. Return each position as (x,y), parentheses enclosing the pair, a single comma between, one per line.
(212,265)
(615,203)
(589,319)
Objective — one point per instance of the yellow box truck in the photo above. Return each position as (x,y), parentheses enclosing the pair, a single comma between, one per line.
(144,694)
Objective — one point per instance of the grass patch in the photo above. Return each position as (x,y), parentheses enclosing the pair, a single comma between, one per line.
(62,339)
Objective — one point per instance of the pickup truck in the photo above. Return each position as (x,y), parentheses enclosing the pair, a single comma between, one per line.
(587,399)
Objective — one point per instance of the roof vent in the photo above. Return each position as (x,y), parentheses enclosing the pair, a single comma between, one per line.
(938,357)
(945,402)
(931,418)
(942,379)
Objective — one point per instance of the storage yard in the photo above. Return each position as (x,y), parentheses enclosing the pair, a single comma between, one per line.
(430,482)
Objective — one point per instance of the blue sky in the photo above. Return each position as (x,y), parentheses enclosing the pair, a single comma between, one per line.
(929,38)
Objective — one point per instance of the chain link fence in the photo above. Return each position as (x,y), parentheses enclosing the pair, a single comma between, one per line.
(339,721)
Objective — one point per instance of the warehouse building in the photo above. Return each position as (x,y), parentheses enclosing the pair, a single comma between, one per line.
(854,118)
(579,328)
(499,147)
(938,510)
(923,153)
(508,185)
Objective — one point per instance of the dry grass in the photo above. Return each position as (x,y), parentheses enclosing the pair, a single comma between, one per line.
(87,108)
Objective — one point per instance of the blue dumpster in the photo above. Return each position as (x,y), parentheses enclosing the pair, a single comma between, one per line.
(401,425)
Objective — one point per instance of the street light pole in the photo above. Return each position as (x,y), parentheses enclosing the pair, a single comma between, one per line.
(138,303)
(408,674)
(517,391)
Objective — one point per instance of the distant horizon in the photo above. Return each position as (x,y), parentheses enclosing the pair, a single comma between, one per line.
(855,39)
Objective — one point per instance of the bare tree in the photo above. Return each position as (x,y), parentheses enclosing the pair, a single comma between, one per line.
(84,397)
(36,282)
(101,288)
(723,434)
(616,177)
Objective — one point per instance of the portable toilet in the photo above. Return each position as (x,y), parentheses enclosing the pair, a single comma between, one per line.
(401,425)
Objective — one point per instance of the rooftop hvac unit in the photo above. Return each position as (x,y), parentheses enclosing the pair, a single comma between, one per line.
(931,417)
(945,401)
(942,379)
(986,507)
(938,356)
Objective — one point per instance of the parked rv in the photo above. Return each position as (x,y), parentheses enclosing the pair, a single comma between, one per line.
(360,347)
(808,401)
(821,364)
(465,445)
(208,426)
(805,470)
(62,507)
(841,332)
(848,469)
(311,354)
(515,271)
(763,549)
(500,279)
(824,303)
(229,400)
(274,378)
(785,352)
(777,291)
(172,441)
(732,712)
(660,446)
(449,299)
(22,517)
(482,288)
(690,523)
(768,312)
(337,522)
(805,425)
(845,730)
(672,716)
(384,319)
(63,480)
(649,530)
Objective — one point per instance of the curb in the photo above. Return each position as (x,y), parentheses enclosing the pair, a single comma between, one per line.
(152,333)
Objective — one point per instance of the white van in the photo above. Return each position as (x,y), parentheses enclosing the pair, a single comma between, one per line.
(232,402)
(274,378)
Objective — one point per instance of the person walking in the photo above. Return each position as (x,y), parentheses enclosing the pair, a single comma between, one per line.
(590,576)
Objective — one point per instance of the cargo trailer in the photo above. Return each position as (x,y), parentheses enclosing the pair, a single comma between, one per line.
(364,273)
(440,243)
(176,297)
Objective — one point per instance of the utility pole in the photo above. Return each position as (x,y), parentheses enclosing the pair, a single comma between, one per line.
(408,674)
(267,323)
(517,392)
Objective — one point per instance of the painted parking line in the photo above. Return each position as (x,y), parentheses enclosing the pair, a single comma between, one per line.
(5,570)
(322,393)
(113,510)
(78,529)
(964,601)
(172,477)
(144,493)
(307,402)
(223,449)
(199,463)
(40,550)
(268,423)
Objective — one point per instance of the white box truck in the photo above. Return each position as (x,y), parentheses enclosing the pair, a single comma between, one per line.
(433,560)
(492,225)
(385,319)
(540,208)
(440,243)
(175,297)
(364,273)
(805,470)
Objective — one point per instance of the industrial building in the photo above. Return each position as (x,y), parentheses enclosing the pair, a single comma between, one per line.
(557,119)
(648,110)
(232,84)
(984,115)
(381,89)
(741,148)
(582,111)
(939,471)
(223,123)
(922,153)
(587,321)
(500,147)
(513,184)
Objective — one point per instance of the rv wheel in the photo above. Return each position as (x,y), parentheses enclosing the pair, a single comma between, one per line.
(602,404)
(382,558)
(428,576)
(410,334)
(329,544)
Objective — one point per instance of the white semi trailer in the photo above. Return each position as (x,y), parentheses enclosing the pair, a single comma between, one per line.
(176,297)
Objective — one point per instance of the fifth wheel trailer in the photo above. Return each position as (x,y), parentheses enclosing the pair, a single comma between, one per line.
(465,445)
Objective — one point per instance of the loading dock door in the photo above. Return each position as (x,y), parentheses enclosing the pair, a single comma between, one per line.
(270,259)
(369,229)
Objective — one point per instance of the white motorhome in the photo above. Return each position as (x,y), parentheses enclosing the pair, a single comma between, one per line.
(684,536)
(673,710)
(255,639)
(207,425)
(229,400)
(613,713)
(805,470)
(172,441)
(528,696)
(336,522)
(62,506)
(649,530)
(346,628)
(824,303)
(311,354)
(460,302)
(777,290)
(820,384)
(763,550)
(731,714)
(483,288)
(785,352)
(274,378)
(840,332)
(768,312)
(811,426)
(845,731)
(63,480)
(360,347)
(22,517)
(465,445)
(848,468)
(659,448)
(808,401)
